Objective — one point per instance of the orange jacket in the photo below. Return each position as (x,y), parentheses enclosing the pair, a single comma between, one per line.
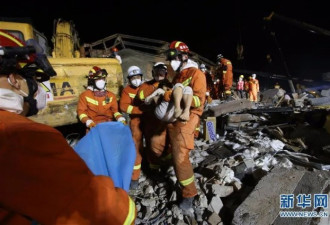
(98,109)
(194,78)
(254,85)
(226,73)
(44,179)
(128,102)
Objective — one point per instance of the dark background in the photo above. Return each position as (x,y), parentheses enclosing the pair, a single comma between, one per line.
(207,27)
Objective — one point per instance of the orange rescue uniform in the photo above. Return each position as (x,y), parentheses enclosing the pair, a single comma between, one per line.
(182,134)
(154,130)
(99,109)
(129,104)
(226,73)
(43,179)
(253,90)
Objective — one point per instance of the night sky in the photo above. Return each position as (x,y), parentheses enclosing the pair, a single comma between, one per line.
(207,27)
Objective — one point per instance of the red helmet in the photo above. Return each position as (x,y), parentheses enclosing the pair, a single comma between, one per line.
(97,73)
(114,49)
(176,48)
(180,46)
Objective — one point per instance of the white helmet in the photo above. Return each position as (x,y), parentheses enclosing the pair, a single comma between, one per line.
(202,66)
(219,56)
(134,71)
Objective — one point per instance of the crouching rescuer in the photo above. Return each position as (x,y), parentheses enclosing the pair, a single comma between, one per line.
(96,104)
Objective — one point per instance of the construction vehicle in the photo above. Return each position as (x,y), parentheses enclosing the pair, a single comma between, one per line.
(71,67)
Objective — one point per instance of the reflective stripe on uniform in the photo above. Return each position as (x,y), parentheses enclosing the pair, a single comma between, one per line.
(225,71)
(198,128)
(154,166)
(186,82)
(142,95)
(228,63)
(92,101)
(187,181)
(228,92)
(131,212)
(131,95)
(137,167)
(129,109)
(81,116)
(117,114)
(197,101)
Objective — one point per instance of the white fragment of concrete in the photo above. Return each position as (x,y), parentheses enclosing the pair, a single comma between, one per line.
(149,190)
(216,204)
(286,163)
(203,201)
(221,190)
(237,185)
(214,219)
(277,145)
(227,175)
(149,203)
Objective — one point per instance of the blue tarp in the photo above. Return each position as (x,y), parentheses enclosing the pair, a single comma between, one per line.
(108,149)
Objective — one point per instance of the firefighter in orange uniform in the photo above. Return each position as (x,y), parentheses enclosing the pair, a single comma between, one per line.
(51,184)
(130,104)
(253,88)
(96,104)
(225,72)
(154,130)
(181,135)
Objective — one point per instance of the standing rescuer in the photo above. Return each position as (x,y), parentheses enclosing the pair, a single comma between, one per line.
(51,184)
(96,104)
(129,104)
(182,134)
(253,88)
(225,72)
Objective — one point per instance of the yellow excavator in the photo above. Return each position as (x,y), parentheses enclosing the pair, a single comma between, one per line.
(71,66)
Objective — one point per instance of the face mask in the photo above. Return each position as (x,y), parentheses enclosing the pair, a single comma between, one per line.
(10,101)
(136,82)
(159,78)
(100,84)
(41,98)
(175,64)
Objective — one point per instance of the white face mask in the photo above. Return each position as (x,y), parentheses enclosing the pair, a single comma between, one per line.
(41,98)
(175,64)
(10,101)
(136,82)
(159,78)
(100,84)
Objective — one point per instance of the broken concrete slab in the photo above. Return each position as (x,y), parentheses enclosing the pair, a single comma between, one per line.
(231,106)
(215,205)
(221,190)
(262,206)
(214,219)
(237,118)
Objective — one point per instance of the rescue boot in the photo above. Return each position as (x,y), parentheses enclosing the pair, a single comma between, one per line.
(186,203)
(134,188)
(134,184)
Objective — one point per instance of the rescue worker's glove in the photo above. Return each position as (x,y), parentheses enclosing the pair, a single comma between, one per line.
(122,120)
(148,99)
(90,124)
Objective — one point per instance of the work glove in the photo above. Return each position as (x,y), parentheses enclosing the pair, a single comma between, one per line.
(207,93)
(122,120)
(90,124)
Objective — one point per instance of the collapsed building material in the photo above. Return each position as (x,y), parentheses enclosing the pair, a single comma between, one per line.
(262,206)
(232,106)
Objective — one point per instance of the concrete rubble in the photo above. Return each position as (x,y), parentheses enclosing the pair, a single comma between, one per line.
(224,171)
